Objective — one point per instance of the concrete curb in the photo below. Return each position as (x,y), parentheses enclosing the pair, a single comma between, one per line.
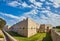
(4,38)
(10,37)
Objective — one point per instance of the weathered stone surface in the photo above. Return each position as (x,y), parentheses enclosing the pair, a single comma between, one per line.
(55,35)
(28,27)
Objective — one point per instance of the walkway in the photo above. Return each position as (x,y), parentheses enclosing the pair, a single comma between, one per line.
(7,38)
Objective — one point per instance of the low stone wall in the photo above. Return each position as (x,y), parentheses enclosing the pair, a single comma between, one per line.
(2,39)
(10,37)
(55,35)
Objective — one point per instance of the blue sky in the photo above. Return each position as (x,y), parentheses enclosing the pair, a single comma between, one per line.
(41,11)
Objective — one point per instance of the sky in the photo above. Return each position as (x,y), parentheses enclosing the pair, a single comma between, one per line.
(41,11)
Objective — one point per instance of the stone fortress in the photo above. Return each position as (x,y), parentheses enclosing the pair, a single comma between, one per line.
(28,27)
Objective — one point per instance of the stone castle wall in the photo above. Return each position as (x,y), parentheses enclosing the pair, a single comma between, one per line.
(28,27)
(32,27)
(55,35)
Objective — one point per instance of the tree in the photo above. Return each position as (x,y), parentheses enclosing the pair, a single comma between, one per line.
(2,23)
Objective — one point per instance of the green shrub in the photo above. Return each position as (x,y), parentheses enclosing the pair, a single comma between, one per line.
(1,36)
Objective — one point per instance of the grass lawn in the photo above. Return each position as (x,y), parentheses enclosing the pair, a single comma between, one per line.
(58,30)
(37,37)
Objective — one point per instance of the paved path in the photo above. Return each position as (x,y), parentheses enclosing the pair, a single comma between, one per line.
(7,38)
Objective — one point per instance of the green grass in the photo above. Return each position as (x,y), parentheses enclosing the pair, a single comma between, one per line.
(47,37)
(58,30)
(37,37)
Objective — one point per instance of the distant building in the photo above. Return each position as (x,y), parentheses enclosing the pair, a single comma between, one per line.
(28,27)
(6,28)
(45,27)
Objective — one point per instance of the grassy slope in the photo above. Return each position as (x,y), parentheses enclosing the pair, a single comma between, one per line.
(37,37)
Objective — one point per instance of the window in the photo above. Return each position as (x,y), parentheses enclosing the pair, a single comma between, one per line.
(23,28)
(47,27)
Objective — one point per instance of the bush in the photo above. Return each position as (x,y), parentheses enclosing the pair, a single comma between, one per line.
(1,36)
(58,27)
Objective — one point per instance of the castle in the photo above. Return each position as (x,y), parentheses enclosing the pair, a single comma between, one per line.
(28,27)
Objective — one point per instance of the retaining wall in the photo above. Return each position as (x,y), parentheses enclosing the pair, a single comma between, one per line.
(2,39)
(10,37)
(55,35)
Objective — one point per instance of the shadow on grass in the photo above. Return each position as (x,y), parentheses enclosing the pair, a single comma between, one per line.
(14,34)
(48,37)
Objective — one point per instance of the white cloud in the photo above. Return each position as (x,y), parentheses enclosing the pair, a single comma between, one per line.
(48,8)
(39,4)
(34,11)
(57,1)
(14,3)
(56,5)
(36,5)
(52,18)
(14,20)
(22,17)
(43,19)
(32,1)
(24,4)
(42,0)
(51,15)
(13,16)
(48,3)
